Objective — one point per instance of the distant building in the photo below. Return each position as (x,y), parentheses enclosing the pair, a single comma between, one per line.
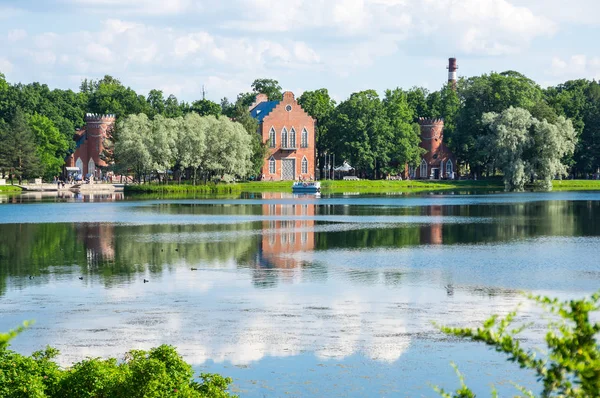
(89,145)
(290,136)
(438,162)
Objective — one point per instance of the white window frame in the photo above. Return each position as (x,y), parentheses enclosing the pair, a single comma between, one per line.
(422,167)
(449,170)
(272,137)
(304,165)
(272,165)
(304,138)
(292,138)
(284,138)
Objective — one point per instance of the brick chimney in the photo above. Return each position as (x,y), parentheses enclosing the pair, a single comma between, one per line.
(259,99)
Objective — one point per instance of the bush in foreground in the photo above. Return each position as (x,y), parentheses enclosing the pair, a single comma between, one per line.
(571,365)
(160,372)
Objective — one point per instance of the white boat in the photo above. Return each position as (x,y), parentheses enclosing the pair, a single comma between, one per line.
(306,187)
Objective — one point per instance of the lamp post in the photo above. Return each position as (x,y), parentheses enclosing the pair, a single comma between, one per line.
(333,167)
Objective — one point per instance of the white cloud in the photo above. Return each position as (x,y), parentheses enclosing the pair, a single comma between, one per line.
(576,66)
(16,35)
(149,7)
(5,66)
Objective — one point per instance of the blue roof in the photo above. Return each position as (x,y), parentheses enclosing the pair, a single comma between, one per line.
(263,109)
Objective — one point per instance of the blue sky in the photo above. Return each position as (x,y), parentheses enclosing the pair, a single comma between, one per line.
(344,45)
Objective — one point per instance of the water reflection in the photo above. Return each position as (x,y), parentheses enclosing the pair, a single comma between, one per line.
(281,276)
(62,196)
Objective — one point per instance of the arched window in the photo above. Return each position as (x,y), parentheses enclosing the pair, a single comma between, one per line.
(91,167)
(423,170)
(284,138)
(304,139)
(449,168)
(292,138)
(79,165)
(272,165)
(304,165)
(272,138)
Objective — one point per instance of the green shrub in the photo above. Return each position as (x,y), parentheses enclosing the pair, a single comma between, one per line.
(160,372)
(571,367)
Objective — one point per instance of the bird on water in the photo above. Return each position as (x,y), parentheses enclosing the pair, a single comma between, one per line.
(146,281)
(194,269)
(81,278)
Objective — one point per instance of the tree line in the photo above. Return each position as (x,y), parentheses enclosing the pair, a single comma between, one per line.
(377,134)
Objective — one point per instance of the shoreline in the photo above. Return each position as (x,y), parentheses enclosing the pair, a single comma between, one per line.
(328,187)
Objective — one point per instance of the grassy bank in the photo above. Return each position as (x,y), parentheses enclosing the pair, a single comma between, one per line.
(340,186)
(362,186)
(184,188)
(576,185)
(9,188)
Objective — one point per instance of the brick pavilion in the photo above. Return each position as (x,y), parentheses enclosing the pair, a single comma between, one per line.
(290,136)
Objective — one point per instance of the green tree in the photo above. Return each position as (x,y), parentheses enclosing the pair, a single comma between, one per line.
(132,149)
(52,146)
(406,134)
(507,143)
(320,106)
(571,367)
(172,108)
(109,95)
(241,115)
(552,143)
(206,107)
(527,149)
(270,87)
(156,102)
(417,101)
(579,100)
(360,133)
(488,93)
(18,151)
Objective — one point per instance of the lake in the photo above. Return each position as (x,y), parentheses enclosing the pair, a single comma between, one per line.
(295,296)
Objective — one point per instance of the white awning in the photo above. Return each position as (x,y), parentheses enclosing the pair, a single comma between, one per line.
(344,167)
(72,168)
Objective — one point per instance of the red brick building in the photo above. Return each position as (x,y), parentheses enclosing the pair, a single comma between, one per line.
(438,162)
(290,136)
(89,145)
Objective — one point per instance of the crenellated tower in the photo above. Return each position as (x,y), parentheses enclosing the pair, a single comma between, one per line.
(432,133)
(96,128)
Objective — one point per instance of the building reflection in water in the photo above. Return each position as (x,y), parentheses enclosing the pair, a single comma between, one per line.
(288,228)
(431,234)
(62,196)
(98,240)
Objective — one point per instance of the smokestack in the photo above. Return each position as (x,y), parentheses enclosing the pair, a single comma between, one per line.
(452,67)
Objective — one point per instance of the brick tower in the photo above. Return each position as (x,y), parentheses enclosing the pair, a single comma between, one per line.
(438,162)
(89,144)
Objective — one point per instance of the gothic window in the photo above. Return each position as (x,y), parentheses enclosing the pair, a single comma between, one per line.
(284,138)
(272,138)
(91,167)
(292,138)
(272,165)
(304,143)
(449,168)
(79,165)
(304,165)
(423,170)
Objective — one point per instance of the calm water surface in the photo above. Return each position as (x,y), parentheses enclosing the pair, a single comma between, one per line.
(295,296)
